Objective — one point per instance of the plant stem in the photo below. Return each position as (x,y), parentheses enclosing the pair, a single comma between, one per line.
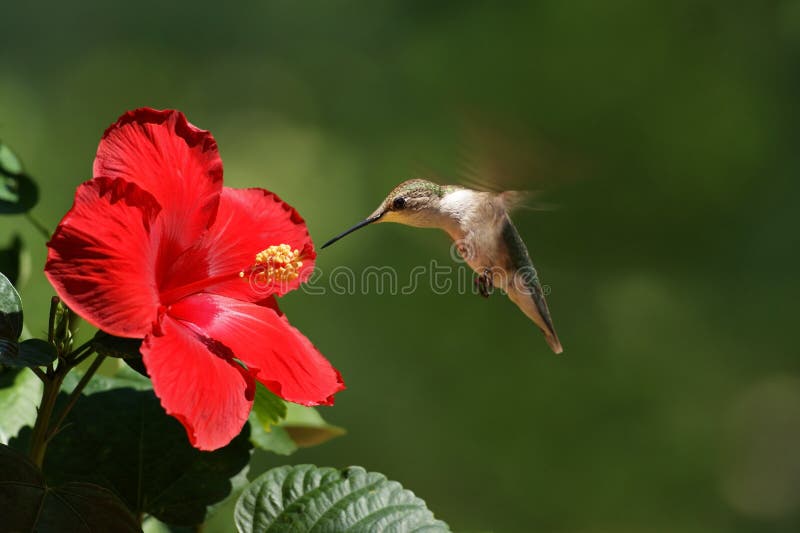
(74,395)
(43,431)
(39,437)
(82,350)
(52,320)
(81,358)
(41,375)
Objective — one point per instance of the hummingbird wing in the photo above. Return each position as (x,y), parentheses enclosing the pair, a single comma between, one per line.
(524,288)
(507,158)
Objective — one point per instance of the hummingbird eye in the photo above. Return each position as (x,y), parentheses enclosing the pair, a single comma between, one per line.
(399,203)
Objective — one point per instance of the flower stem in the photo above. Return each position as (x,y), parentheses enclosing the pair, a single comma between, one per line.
(43,431)
(74,395)
(81,358)
(52,319)
(76,356)
(39,437)
(41,375)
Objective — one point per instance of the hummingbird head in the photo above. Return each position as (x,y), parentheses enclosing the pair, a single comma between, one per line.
(413,203)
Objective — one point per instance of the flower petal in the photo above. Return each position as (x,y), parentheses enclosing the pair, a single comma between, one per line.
(208,392)
(168,157)
(248,221)
(101,257)
(277,354)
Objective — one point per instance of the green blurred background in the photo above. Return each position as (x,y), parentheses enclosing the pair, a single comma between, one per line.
(665,133)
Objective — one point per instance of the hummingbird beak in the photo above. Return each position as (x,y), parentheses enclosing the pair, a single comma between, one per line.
(373,218)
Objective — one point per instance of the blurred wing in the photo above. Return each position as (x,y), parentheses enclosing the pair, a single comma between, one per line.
(514,200)
(520,167)
(516,167)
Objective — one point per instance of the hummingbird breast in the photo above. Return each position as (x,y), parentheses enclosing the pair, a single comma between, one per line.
(490,244)
(477,221)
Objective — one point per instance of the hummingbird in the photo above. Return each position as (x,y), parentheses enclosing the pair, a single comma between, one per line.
(479,224)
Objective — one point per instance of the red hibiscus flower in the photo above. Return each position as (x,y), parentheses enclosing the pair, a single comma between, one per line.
(156,248)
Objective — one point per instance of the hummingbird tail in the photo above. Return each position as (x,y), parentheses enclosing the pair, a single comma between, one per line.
(553,342)
(535,307)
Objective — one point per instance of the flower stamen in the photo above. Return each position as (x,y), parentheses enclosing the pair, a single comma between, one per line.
(275,264)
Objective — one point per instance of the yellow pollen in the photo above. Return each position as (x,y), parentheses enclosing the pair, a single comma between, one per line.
(276,264)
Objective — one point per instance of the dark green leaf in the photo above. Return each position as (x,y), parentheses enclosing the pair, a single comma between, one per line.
(275,439)
(18,192)
(297,498)
(137,365)
(11,260)
(219,517)
(32,352)
(20,394)
(122,439)
(9,351)
(269,408)
(29,504)
(307,427)
(112,346)
(10,310)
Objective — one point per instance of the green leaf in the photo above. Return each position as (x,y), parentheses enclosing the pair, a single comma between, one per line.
(9,162)
(306,426)
(302,427)
(18,192)
(10,310)
(32,352)
(20,393)
(112,346)
(29,504)
(276,440)
(154,525)
(269,408)
(299,498)
(122,439)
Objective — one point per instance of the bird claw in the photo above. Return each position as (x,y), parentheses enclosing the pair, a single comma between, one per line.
(485,283)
